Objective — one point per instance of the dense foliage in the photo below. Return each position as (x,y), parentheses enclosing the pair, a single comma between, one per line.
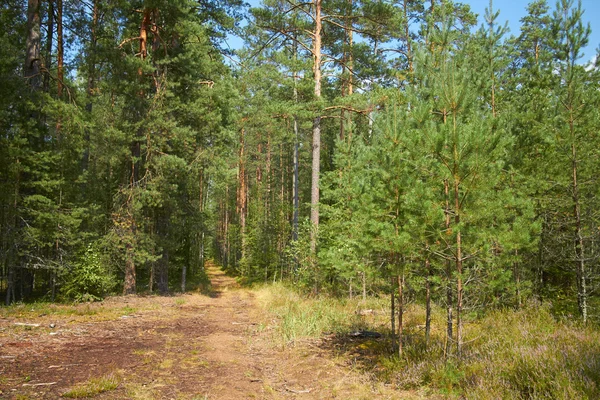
(349,146)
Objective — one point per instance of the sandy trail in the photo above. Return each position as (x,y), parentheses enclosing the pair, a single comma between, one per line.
(190,346)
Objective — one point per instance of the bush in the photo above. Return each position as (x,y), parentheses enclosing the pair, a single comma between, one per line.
(89,279)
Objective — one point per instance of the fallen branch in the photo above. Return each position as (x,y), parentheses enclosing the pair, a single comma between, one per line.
(24,324)
(297,391)
(40,384)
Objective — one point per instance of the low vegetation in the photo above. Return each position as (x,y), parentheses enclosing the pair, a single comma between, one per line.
(508,354)
(93,387)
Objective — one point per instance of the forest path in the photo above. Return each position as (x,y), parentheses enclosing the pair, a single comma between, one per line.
(192,346)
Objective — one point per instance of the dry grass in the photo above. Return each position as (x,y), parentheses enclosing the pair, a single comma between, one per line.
(295,317)
(524,354)
(93,387)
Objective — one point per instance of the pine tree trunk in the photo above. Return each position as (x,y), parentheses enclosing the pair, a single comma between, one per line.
(579,244)
(49,37)
(316,143)
(242,193)
(91,82)
(91,57)
(427,301)
(449,299)
(400,312)
(409,55)
(11,256)
(517,275)
(163,273)
(393,313)
(459,257)
(31,69)
(268,197)
(130,280)
(364,286)
(10,284)
(540,260)
(59,51)
(295,183)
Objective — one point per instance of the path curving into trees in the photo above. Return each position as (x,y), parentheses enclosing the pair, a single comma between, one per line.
(217,345)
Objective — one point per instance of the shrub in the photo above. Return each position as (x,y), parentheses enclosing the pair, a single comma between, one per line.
(89,279)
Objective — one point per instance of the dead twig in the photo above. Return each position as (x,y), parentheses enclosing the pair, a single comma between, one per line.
(297,391)
(40,384)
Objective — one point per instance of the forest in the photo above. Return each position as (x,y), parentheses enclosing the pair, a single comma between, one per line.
(350,148)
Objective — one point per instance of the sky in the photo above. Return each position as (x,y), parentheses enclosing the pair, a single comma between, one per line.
(511,11)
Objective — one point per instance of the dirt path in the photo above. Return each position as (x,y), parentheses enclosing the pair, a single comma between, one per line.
(190,346)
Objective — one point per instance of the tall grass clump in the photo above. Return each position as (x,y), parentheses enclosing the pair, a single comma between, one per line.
(93,387)
(299,317)
(526,354)
(523,354)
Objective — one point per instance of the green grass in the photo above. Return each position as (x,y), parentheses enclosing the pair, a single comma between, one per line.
(303,318)
(93,387)
(525,354)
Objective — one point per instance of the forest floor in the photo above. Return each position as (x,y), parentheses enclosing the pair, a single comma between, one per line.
(217,345)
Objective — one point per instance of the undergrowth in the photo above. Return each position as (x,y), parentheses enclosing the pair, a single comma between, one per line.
(524,354)
(93,387)
(300,318)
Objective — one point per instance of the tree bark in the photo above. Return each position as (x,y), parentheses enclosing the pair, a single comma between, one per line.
(316,143)
(295,183)
(459,258)
(242,193)
(49,37)
(409,55)
(183,277)
(364,286)
(400,312)
(31,69)
(393,313)
(449,300)
(130,274)
(130,279)
(427,301)
(579,243)
(60,59)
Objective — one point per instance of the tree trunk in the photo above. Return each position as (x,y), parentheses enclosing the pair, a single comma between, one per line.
(10,284)
(163,273)
(183,277)
(295,183)
(91,83)
(459,258)
(269,172)
(517,274)
(316,143)
(59,51)
(400,312)
(130,280)
(31,70)
(129,286)
(579,244)
(364,286)
(409,55)
(428,301)
(393,313)
(449,300)
(49,37)
(242,193)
